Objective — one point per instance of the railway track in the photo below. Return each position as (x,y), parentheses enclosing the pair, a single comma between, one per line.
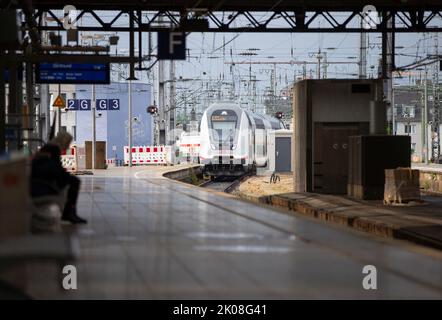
(223,184)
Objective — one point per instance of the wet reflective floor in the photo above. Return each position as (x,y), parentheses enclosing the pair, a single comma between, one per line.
(153,238)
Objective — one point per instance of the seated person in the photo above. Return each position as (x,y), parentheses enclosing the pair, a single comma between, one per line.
(48,177)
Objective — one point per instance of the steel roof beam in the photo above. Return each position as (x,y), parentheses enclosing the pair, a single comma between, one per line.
(246,21)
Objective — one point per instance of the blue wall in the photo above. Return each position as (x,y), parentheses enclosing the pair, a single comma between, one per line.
(112,126)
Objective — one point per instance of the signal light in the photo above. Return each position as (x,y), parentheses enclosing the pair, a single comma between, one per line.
(152,109)
(279,115)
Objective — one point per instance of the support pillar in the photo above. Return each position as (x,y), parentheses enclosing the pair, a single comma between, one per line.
(2,107)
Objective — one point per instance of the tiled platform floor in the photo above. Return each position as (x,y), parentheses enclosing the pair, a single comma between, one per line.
(149,237)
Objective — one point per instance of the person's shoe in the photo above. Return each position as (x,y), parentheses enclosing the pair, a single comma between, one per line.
(72,217)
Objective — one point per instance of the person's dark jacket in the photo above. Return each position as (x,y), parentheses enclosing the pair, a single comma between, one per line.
(47,173)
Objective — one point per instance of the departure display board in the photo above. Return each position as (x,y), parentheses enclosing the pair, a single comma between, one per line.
(73,73)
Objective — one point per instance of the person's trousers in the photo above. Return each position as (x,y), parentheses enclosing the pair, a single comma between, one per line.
(74,188)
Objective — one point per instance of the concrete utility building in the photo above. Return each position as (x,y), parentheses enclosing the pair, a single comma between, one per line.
(325,114)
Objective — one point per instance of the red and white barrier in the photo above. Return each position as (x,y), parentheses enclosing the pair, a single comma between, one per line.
(142,155)
(69,159)
(189,146)
(192,149)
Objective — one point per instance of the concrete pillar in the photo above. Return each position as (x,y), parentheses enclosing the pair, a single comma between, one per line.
(2,107)
(161,104)
(15,107)
(44,112)
(172,94)
(29,114)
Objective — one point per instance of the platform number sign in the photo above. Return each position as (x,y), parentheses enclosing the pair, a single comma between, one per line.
(72,104)
(108,104)
(102,104)
(114,104)
(84,104)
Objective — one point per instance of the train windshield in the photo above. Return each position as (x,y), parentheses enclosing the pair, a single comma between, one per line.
(224,123)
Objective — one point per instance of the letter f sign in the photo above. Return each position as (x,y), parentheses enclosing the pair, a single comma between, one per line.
(174,39)
(171,45)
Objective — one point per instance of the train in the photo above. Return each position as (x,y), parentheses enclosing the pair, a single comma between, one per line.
(234,140)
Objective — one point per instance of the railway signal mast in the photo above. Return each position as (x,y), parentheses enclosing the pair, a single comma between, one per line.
(435,121)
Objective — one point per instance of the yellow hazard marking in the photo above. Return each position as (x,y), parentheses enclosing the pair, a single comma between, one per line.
(59,102)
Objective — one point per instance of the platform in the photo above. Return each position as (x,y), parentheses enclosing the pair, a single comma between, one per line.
(149,237)
(433,167)
(420,222)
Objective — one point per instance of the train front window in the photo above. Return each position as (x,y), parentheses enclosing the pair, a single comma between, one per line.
(224,125)
(225,129)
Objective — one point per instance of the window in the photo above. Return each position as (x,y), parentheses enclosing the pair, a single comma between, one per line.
(224,125)
(413,148)
(410,128)
(408,111)
(360,88)
(224,122)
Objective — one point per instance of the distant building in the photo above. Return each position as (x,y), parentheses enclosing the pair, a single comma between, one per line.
(408,102)
(111,126)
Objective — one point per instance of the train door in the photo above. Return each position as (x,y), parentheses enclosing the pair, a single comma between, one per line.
(250,133)
(260,156)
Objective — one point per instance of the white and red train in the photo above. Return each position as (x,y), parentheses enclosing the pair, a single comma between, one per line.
(234,140)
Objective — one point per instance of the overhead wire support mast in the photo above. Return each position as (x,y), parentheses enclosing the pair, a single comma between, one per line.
(435,121)
(293,62)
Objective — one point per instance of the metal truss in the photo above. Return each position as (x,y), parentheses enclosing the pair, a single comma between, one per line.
(389,20)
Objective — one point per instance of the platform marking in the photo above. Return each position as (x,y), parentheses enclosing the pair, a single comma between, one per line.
(244,249)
